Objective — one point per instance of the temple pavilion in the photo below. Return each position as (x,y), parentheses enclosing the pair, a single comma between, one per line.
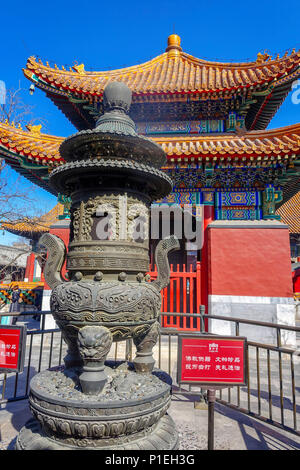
(29,275)
(211,119)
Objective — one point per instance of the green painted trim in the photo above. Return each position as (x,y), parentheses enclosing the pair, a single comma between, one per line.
(263,92)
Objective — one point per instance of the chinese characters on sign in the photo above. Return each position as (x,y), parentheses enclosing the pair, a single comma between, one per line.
(12,348)
(211,360)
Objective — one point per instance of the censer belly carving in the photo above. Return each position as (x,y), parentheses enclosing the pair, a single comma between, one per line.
(109,302)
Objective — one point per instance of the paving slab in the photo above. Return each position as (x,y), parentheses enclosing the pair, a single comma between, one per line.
(233,430)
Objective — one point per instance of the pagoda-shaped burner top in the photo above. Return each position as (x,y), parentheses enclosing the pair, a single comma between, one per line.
(115,134)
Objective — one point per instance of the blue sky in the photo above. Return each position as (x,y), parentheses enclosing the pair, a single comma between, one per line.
(108,35)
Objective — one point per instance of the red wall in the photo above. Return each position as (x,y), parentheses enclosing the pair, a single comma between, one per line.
(249,262)
(62,233)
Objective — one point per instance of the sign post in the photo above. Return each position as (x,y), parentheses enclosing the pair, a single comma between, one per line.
(213,362)
(211,398)
(12,348)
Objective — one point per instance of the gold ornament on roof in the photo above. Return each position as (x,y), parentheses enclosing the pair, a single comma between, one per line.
(174,47)
(261,58)
(79,68)
(34,129)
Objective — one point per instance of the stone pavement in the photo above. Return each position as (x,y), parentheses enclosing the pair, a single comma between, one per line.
(233,429)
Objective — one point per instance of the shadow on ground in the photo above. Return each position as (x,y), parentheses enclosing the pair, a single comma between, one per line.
(257,435)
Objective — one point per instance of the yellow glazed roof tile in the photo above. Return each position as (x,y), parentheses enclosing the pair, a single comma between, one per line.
(36,224)
(174,71)
(43,149)
(37,147)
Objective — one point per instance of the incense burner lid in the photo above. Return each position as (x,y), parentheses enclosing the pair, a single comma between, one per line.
(115,135)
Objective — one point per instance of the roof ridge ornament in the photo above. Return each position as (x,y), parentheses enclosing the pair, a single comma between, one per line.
(174,48)
(79,68)
(34,129)
(262,58)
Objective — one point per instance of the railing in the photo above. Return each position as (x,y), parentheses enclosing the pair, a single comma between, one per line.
(183,295)
(273,389)
(271,395)
(44,349)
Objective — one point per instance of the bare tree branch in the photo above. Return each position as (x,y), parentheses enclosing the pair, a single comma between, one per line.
(17,202)
(16,111)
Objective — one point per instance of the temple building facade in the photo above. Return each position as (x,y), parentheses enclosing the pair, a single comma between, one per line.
(32,282)
(239,177)
(14,261)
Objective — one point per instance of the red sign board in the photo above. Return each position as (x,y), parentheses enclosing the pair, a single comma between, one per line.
(12,348)
(212,360)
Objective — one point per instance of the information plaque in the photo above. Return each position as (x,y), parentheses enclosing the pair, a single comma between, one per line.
(212,361)
(12,348)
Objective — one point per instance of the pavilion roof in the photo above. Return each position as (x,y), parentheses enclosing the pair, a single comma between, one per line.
(274,143)
(43,149)
(30,228)
(31,143)
(170,75)
(34,154)
(30,152)
(22,285)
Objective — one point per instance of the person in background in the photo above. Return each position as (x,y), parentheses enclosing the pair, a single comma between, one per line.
(15,303)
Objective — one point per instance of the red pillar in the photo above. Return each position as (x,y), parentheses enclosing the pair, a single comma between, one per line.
(29,272)
(296,281)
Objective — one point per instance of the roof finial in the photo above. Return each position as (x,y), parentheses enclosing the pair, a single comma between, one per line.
(174,45)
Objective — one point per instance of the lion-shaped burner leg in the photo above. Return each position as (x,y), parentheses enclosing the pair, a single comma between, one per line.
(94,343)
(145,342)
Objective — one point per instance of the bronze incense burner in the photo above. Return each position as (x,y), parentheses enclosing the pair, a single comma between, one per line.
(112,176)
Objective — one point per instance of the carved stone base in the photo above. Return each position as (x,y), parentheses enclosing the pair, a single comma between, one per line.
(130,412)
(163,437)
